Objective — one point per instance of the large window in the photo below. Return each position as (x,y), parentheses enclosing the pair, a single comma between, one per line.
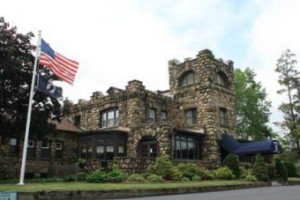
(186,147)
(223,117)
(152,115)
(103,147)
(189,79)
(109,117)
(190,116)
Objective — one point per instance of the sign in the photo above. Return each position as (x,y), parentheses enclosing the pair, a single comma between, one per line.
(8,196)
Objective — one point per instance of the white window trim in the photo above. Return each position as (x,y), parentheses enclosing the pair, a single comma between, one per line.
(58,148)
(47,147)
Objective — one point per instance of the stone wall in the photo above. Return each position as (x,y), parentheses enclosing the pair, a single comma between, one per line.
(37,165)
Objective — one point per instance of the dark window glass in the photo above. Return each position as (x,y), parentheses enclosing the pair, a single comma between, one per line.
(77,120)
(189,79)
(163,115)
(187,147)
(109,118)
(222,79)
(14,145)
(58,149)
(31,150)
(152,115)
(223,117)
(45,149)
(190,117)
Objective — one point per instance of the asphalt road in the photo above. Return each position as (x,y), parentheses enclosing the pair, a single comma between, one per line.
(264,193)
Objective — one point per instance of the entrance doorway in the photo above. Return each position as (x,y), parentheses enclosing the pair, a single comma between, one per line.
(147,147)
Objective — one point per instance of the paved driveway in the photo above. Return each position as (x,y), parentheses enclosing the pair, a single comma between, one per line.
(265,193)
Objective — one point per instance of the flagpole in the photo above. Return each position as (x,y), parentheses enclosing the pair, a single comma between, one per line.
(24,156)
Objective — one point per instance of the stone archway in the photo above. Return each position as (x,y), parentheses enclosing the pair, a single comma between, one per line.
(148,147)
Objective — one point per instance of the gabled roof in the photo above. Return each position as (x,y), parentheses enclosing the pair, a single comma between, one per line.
(66,125)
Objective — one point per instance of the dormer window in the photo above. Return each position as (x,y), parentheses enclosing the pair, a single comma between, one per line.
(109,117)
(189,78)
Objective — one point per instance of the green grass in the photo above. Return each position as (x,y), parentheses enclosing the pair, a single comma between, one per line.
(294,179)
(110,186)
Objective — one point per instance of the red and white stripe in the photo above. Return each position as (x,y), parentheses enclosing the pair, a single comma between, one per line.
(61,66)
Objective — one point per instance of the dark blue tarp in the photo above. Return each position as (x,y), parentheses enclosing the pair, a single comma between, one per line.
(250,148)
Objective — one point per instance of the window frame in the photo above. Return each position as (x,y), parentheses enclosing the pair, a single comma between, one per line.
(104,115)
(188,78)
(223,117)
(48,144)
(183,152)
(193,117)
(152,119)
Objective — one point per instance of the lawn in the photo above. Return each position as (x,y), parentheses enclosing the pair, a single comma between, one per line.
(294,179)
(55,186)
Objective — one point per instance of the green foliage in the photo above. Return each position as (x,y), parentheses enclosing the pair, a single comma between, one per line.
(196,178)
(155,178)
(244,172)
(185,179)
(176,175)
(271,171)
(288,79)
(251,177)
(231,161)
(291,169)
(281,170)
(251,107)
(260,170)
(97,176)
(188,170)
(161,167)
(116,175)
(224,173)
(205,174)
(81,162)
(70,178)
(16,64)
(136,178)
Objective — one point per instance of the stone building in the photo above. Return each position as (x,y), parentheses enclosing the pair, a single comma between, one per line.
(132,126)
(44,156)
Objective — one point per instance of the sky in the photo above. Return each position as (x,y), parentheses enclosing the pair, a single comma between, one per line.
(116,41)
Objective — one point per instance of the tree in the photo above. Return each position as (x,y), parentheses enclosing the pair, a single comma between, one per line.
(16,67)
(251,107)
(289,79)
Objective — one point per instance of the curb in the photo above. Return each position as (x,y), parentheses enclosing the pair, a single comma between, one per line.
(114,194)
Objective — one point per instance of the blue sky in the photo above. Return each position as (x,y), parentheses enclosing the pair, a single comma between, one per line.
(116,41)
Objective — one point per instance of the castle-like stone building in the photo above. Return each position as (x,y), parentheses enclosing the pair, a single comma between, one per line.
(130,127)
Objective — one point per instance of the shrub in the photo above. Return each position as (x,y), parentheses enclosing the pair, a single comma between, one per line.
(260,170)
(155,178)
(250,177)
(161,167)
(97,176)
(81,176)
(205,174)
(196,178)
(136,178)
(224,173)
(185,179)
(291,169)
(81,162)
(176,175)
(271,171)
(281,170)
(116,175)
(70,178)
(231,161)
(244,172)
(188,169)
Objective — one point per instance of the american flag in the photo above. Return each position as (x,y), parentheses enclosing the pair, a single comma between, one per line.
(61,66)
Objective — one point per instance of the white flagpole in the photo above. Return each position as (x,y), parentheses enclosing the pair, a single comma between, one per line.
(22,174)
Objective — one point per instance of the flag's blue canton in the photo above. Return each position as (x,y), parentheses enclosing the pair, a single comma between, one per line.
(47,49)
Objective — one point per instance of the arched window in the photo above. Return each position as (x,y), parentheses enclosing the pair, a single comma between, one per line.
(222,79)
(189,78)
